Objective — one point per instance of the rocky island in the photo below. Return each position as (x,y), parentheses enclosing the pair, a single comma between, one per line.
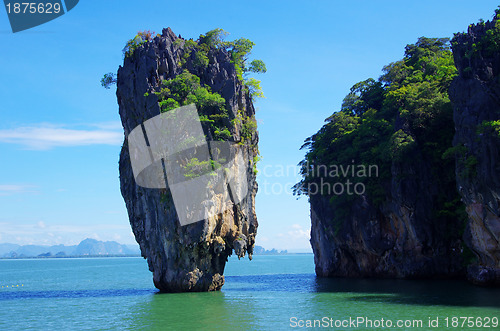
(431,133)
(164,72)
(475,94)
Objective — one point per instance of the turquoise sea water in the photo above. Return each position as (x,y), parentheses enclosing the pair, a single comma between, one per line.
(268,293)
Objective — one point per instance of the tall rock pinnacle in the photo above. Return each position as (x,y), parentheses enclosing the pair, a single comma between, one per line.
(160,74)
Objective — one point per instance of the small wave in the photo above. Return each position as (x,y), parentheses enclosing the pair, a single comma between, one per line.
(5,296)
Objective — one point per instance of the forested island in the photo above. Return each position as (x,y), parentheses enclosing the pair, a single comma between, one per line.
(431,126)
(420,196)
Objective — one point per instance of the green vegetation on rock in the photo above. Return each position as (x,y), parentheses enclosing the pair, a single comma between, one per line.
(490,128)
(107,80)
(134,43)
(489,44)
(239,51)
(403,117)
(186,88)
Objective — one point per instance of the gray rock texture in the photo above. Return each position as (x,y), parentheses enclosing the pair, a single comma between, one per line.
(403,237)
(191,257)
(476,97)
(396,240)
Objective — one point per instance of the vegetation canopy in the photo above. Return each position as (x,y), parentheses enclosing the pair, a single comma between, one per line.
(402,117)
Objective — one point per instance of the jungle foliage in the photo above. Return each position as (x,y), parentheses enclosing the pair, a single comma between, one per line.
(404,116)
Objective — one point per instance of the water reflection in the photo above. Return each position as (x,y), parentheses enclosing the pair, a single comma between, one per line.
(180,311)
(415,292)
(269,301)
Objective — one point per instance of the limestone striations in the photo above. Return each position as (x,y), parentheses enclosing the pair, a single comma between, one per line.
(476,97)
(398,239)
(190,257)
(404,222)
(435,131)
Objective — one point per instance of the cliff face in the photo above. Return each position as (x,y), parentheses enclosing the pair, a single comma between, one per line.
(476,97)
(398,239)
(409,221)
(438,207)
(190,257)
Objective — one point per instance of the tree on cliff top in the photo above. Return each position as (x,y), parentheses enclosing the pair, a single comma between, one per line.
(239,50)
(405,114)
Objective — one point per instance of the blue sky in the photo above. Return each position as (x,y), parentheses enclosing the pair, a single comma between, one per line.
(60,134)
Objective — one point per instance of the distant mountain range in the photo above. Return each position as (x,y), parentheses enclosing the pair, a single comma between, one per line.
(88,247)
(259,250)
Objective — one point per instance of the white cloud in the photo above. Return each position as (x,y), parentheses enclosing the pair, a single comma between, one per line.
(262,239)
(297,232)
(47,136)
(112,125)
(94,236)
(295,238)
(17,189)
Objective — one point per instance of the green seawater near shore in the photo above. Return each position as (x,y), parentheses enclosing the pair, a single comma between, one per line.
(269,293)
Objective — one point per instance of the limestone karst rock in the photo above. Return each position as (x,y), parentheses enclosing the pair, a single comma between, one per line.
(436,217)
(475,93)
(190,257)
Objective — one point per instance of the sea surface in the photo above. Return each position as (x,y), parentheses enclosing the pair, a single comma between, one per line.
(277,292)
